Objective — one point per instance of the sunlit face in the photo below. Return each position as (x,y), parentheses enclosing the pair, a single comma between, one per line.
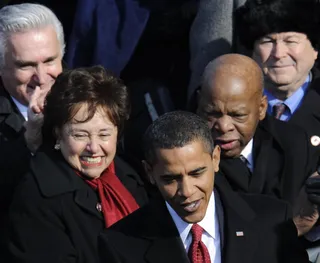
(89,147)
(32,58)
(232,112)
(185,178)
(286,59)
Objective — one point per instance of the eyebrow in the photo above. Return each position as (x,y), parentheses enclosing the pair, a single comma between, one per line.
(200,169)
(22,63)
(82,130)
(286,37)
(209,107)
(195,171)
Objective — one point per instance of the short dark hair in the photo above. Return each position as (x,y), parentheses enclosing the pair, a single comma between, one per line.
(94,86)
(174,130)
(258,18)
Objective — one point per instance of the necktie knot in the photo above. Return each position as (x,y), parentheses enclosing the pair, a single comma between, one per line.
(278,110)
(244,159)
(196,232)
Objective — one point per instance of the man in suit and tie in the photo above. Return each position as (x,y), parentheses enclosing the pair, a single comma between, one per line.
(283,36)
(31,50)
(199,218)
(259,154)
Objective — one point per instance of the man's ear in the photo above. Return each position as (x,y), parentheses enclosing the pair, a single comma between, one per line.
(148,170)
(263,108)
(216,158)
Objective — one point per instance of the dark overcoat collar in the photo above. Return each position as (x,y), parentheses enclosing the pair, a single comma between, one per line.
(9,112)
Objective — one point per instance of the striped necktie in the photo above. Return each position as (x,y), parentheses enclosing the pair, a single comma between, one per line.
(278,110)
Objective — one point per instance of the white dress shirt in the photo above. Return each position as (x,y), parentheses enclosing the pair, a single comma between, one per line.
(211,234)
(23,109)
(247,153)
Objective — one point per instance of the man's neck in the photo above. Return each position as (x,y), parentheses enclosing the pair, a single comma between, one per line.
(282,92)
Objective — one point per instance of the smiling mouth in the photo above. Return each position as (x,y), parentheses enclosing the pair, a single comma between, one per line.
(191,207)
(91,161)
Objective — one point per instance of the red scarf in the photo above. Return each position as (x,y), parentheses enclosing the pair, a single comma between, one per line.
(116,201)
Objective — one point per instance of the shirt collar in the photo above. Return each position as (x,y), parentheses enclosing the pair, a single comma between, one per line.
(293,101)
(22,108)
(247,152)
(207,223)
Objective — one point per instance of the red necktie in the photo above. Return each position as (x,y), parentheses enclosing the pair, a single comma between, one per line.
(278,110)
(198,252)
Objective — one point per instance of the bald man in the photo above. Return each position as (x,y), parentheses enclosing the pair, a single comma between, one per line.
(259,154)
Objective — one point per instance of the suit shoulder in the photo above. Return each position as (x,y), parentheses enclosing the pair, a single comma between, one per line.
(137,220)
(125,171)
(286,128)
(290,135)
(28,196)
(149,220)
(266,206)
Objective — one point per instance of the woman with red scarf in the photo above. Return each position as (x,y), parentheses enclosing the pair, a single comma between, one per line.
(76,185)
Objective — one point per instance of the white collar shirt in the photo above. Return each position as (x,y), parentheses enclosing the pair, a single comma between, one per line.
(22,108)
(247,153)
(211,233)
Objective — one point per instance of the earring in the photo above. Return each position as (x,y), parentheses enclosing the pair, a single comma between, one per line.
(57,146)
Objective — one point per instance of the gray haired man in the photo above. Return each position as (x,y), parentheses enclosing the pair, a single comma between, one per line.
(31,49)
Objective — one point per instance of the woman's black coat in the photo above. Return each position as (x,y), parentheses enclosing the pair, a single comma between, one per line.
(54,216)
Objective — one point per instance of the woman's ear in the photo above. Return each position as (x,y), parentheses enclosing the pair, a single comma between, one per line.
(57,134)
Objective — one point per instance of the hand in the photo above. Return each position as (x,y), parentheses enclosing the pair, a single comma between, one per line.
(313,187)
(34,124)
(306,212)
(305,222)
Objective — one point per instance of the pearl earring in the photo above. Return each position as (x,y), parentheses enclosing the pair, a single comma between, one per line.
(57,146)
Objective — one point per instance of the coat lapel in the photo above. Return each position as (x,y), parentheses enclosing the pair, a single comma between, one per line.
(266,158)
(167,249)
(310,103)
(165,242)
(8,111)
(240,232)
(88,201)
(56,177)
(236,172)
(220,215)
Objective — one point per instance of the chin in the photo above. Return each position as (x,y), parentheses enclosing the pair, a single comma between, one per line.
(193,219)
(92,176)
(230,154)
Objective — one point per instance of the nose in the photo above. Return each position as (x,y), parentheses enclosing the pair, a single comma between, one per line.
(223,124)
(279,50)
(186,188)
(93,146)
(40,75)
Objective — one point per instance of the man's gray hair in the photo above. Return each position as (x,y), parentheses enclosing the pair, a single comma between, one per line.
(25,17)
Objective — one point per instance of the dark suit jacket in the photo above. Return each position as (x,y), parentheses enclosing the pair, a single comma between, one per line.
(150,235)
(54,216)
(307,115)
(14,155)
(283,159)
